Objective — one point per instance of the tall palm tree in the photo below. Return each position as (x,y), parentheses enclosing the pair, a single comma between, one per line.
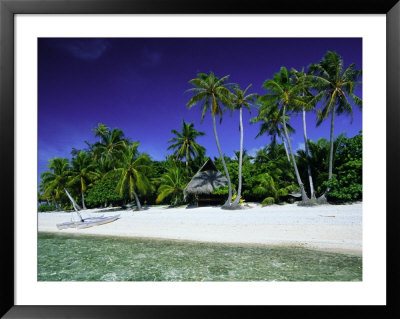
(184,142)
(241,100)
(283,93)
(55,179)
(337,86)
(213,93)
(304,83)
(82,173)
(272,124)
(133,171)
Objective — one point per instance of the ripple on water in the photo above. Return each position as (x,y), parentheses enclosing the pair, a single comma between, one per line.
(64,257)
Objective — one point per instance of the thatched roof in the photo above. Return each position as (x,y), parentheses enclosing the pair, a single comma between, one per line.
(206,180)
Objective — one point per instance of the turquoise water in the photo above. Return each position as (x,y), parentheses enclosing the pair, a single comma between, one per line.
(66,257)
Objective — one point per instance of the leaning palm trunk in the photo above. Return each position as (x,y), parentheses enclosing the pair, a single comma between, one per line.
(139,207)
(308,156)
(284,145)
(303,193)
(229,200)
(323,196)
(236,202)
(83,201)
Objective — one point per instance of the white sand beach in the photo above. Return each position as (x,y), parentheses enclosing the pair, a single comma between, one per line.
(336,228)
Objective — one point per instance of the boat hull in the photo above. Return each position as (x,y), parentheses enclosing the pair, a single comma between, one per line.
(88,222)
(100,221)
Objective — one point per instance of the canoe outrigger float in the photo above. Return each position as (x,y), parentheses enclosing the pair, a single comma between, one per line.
(85,222)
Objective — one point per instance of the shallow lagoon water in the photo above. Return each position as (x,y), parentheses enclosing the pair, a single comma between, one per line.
(68,257)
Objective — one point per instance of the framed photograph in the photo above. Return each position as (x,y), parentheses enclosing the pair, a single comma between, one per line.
(198,152)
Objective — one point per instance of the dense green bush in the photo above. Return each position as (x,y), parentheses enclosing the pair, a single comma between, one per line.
(346,183)
(221,190)
(46,208)
(103,193)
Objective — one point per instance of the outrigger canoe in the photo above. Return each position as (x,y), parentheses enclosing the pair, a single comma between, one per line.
(85,222)
(88,222)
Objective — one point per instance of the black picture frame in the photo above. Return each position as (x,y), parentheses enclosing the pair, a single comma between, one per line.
(9,8)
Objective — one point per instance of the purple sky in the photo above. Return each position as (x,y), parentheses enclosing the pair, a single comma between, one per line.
(139,84)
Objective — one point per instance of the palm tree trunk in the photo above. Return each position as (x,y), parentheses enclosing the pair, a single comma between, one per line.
(236,202)
(83,201)
(322,198)
(58,207)
(139,207)
(331,149)
(284,144)
(303,193)
(310,179)
(229,200)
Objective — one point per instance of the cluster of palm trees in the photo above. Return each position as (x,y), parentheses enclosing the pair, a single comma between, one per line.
(327,88)
(291,91)
(214,94)
(112,157)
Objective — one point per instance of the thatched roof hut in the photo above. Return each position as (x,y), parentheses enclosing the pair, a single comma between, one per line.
(206,180)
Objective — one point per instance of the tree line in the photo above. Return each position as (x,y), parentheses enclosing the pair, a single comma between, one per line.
(112,171)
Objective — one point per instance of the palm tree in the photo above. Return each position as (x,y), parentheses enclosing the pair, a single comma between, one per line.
(54,180)
(240,100)
(133,171)
(184,142)
(101,131)
(172,184)
(286,95)
(110,146)
(303,81)
(82,173)
(337,86)
(213,94)
(272,124)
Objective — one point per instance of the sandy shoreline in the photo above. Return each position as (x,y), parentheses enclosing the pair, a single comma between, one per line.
(336,228)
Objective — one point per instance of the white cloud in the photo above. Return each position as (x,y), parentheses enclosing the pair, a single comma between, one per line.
(300,146)
(254,150)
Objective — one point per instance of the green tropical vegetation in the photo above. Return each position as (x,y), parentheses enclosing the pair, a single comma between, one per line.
(113,171)
(172,184)
(336,85)
(184,142)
